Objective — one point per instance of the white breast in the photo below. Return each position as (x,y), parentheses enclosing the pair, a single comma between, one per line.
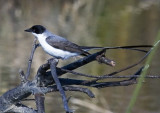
(53,51)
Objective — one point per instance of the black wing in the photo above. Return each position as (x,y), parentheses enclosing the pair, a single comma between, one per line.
(65,45)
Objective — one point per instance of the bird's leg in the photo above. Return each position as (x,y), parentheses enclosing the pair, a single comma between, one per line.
(53,62)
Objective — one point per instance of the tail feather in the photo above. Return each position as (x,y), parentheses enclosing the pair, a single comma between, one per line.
(91,47)
(116,47)
(134,47)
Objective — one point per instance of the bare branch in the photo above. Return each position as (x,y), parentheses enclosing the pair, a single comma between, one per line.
(39,98)
(48,81)
(53,62)
(31,58)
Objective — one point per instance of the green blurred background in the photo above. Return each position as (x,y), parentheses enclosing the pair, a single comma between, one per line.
(90,23)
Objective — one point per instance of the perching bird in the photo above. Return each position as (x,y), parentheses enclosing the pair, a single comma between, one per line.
(61,48)
(57,46)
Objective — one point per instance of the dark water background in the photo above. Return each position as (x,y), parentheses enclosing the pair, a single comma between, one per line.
(85,22)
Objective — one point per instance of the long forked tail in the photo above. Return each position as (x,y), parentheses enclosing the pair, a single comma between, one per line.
(134,47)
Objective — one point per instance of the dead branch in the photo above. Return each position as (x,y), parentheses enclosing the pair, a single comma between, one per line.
(47,81)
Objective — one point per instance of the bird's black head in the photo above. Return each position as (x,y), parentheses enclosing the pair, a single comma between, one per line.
(38,29)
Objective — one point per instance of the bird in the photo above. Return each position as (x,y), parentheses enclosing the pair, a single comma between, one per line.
(61,48)
(57,46)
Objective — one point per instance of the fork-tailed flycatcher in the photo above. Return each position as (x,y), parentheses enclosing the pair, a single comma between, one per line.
(57,46)
(62,48)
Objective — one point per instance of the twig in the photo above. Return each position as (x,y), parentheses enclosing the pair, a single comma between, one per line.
(84,90)
(22,76)
(102,59)
(106,76)
(20,108)
(123,69)
(67,88)
(31,58)
(95,84)
(39,98)
(53,64)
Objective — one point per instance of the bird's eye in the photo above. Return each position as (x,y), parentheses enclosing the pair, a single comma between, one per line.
(34,30)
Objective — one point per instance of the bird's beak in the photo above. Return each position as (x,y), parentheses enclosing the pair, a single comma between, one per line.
(28,30)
